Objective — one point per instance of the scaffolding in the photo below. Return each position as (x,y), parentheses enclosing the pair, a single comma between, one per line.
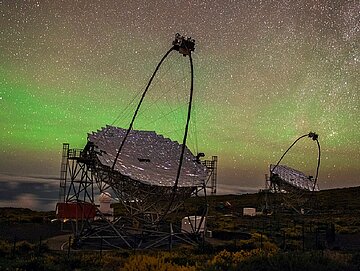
(211,165)
(63,171)
(86,177)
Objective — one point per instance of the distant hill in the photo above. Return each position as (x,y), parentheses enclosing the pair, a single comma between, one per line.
(336,205)
(329,200)
(342,199)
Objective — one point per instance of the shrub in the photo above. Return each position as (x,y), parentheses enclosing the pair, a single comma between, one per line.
(225,260)
(313,261)
(24,247)
(256,241)
(5,248)
(151,263)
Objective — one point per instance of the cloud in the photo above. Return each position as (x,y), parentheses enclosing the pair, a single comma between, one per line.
(14,180)
(22,201)
(28,200)
(34,192)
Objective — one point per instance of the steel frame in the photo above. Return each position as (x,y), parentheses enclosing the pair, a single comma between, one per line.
(145,224)
(211,165)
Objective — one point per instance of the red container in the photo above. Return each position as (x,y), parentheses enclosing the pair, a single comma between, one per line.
(75,210)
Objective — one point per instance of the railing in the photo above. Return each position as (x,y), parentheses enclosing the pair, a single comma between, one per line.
(75,153)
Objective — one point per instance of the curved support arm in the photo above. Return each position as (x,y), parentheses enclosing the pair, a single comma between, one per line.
(314,137)
(184,138)
(288,151)
(318,164)
(138,107)
(186,126)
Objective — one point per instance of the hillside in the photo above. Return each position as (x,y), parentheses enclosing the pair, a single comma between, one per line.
(335,206)
(327,238)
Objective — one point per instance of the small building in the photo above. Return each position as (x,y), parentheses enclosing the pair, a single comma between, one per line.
(249,211)
(192,224)
(105,204)
(75,210)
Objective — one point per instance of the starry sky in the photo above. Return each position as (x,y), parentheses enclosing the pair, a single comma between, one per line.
(266,72)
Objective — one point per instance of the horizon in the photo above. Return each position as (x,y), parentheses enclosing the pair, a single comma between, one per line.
(265,74)
(40,193)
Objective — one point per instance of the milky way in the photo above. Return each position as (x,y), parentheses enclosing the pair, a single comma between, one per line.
(266,72)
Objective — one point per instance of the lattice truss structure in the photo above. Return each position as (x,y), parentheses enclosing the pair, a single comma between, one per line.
(211,166)
(143,182)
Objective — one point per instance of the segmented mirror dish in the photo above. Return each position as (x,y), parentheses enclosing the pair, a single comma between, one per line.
(147,157)
(293,177)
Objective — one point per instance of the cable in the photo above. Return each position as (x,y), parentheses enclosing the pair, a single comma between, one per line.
(138,107)
(124,112)
(272,171)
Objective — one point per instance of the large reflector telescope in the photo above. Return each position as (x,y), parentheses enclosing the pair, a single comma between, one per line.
(149,174)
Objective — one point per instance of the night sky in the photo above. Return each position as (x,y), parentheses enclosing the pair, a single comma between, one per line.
(266,72)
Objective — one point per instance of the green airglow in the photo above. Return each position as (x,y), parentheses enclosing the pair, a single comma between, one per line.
(260,83)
